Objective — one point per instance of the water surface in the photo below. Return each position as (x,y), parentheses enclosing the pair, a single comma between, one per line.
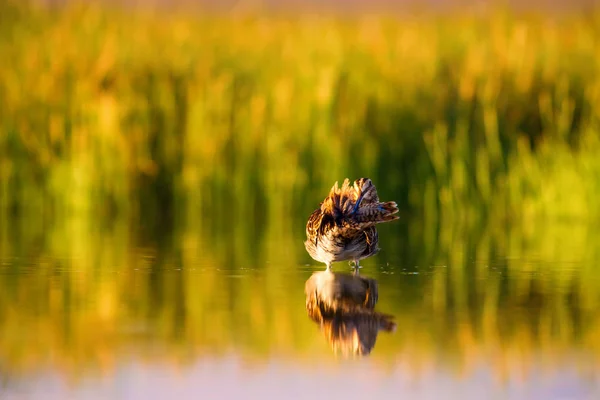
(125,312)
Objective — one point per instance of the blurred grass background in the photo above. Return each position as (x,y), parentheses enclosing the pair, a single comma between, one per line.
(107,111)
(137,146)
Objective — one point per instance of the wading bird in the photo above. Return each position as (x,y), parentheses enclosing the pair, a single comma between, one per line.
(343,227)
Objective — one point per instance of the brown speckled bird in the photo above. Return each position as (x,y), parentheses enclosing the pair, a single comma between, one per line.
(343,227)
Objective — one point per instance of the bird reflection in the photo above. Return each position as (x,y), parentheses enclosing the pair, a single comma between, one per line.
(343,305)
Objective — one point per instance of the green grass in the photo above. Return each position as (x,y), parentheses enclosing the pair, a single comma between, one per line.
(118,126)
(119,112)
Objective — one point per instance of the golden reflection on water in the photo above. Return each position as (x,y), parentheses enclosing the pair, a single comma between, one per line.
(344,307)
(81,300)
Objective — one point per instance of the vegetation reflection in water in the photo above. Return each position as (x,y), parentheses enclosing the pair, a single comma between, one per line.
(80,298)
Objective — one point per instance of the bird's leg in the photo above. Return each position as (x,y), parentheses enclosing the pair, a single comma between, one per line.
(328,269)
(356,267)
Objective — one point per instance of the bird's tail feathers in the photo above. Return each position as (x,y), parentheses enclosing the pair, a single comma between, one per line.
(377,213)
(357,206)
(340,200)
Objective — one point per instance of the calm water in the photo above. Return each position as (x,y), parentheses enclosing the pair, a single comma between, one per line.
(122,312)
